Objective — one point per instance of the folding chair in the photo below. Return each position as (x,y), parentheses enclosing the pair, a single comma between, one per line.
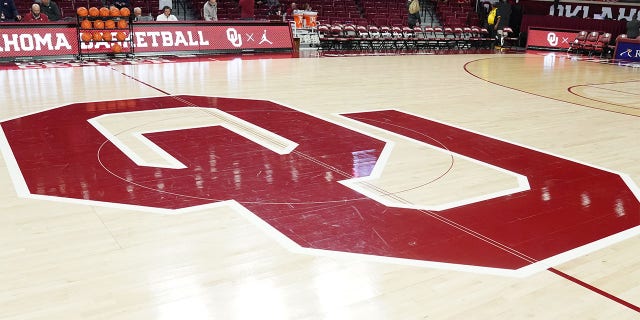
(578,42)
(508,38)
(590,42)
(602,45)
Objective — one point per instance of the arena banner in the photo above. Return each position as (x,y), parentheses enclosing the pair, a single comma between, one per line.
(544,38)
(34,41)
(585,10)
(23,40)
(627,50)
(208,37)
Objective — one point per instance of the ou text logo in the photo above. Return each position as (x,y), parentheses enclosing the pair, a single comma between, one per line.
(552,38)
(316,183)
(234,37)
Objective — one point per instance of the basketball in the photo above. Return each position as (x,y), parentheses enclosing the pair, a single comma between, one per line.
(122,24)
(97,36)
(82,12)
(114,12)
(86,36)
(98,24)
(109,24)
(121,36)
(85,24)
(107,36)
(125,12)
(117,48)
(94,12)
(104,12)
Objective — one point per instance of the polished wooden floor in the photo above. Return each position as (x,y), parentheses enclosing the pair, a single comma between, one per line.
(437,154)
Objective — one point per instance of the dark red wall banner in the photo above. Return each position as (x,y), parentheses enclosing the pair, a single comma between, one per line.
(590,10)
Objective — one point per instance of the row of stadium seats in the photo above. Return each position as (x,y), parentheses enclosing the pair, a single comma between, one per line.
(328,10)
(452,13)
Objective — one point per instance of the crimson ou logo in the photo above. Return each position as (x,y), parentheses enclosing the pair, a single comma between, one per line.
(552,38)
(319,185)
(234,37)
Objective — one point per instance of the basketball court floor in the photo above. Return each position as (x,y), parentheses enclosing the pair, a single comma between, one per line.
(468,186)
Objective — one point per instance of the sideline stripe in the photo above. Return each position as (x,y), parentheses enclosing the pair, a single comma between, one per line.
(138,80)
(596,290)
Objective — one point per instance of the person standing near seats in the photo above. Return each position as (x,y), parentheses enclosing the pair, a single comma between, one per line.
(515,20)
(414,13)
(556,5)
(8,11)
(247,9)
(633,28)
(51,9)
(503,13)
(210,10)
(35,15)
(166,15)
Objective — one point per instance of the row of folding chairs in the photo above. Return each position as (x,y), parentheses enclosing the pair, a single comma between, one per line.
(591,43)
(338,37)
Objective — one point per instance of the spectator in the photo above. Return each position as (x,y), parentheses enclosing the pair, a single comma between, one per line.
(247,9)
(34,15)
(633,28)
(166,15)
(210,10)
(51,9)
(8,11)
(293,7)
(414,13)
(137,15)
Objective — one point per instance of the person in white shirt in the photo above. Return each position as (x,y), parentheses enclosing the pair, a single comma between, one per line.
(210,10)
(166,15)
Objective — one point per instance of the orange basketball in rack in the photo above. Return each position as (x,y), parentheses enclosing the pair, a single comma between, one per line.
(114,12)
(98,24)
(125,12)
(122,24)
(85,24)
(121,36)
(104,12)
(117,48)
(82,12)
(107,36)
(94,12)
(97,36)
(86,36)
(109,24)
